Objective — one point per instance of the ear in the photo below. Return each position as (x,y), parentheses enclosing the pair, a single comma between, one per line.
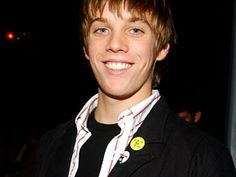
(197,116)
(162,54)
(86,53)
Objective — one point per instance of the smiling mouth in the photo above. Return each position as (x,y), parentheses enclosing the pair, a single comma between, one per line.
(117,65)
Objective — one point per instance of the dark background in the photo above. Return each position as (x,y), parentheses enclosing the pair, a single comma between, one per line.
(45,79)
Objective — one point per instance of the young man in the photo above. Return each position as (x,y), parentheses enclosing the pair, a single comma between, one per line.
(127,128)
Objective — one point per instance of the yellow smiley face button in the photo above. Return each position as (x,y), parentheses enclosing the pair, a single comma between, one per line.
(137,143)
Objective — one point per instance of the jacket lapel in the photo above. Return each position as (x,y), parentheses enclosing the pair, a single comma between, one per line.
(59,162)
(153,137)
(135,161)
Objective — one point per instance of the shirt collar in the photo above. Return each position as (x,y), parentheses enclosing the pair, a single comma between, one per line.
(138,111)
(136,114)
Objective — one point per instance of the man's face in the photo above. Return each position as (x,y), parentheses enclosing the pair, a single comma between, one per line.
(121,54)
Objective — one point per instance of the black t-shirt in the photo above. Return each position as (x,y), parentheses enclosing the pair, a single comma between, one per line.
(92,152)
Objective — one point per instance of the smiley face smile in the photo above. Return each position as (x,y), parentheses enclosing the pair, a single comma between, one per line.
(118,65)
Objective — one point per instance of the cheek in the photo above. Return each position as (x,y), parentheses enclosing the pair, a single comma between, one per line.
(145,52)
(145,47)
(94,48)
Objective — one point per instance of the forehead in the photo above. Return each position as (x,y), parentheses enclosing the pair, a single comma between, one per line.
(123,12)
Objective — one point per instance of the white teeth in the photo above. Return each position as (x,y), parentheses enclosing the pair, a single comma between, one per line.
(117,66)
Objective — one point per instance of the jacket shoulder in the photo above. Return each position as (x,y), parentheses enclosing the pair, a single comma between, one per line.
(58,130)
(207,154)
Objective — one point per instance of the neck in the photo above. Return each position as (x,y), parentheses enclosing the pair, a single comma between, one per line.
(109,108)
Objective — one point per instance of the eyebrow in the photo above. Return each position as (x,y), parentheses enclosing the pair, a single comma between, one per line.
(132,20)
(99,19)
(135,19)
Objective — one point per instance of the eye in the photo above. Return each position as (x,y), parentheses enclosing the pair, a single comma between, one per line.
(101,30)
(136,31)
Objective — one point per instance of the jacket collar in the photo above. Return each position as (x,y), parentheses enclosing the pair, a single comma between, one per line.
(157,117)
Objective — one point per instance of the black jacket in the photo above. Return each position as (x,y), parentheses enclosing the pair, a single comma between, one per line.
(172,148)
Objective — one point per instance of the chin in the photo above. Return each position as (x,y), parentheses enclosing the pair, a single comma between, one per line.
(118,94)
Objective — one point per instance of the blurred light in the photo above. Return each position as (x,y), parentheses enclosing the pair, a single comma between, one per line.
(10,36)
(15,39)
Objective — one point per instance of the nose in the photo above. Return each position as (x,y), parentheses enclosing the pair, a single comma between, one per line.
(117,43)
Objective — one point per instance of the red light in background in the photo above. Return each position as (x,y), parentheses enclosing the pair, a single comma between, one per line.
(10,35)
